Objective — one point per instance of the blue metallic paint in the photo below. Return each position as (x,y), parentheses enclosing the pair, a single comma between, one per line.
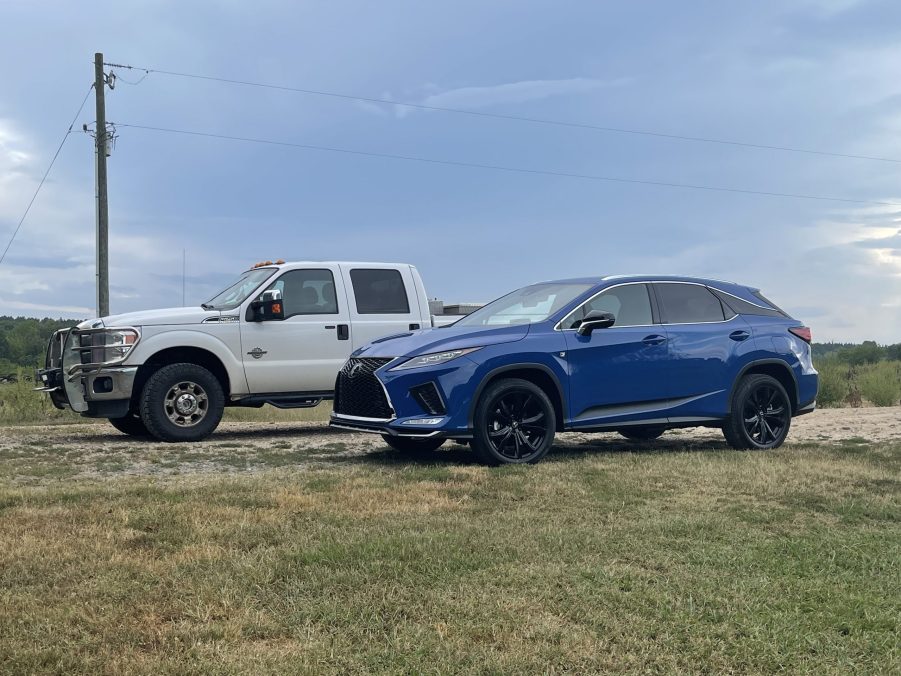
(614,377)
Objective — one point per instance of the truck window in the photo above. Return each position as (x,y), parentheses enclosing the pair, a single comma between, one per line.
(307,292)
(379,292)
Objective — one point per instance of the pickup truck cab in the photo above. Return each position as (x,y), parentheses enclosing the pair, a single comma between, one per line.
(278,335)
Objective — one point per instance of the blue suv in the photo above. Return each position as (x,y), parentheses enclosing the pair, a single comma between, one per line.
(633,354)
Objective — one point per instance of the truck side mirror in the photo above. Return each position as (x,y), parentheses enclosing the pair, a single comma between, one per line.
(267,310)
(595,320)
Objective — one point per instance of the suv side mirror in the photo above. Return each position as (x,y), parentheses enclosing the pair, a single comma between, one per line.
(267,310)
(595,320)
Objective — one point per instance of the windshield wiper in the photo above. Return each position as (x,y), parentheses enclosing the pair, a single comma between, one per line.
(207,306)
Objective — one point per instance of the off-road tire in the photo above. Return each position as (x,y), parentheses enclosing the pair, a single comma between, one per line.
(412,444)
(153,404)
(132,425)
(490,428)
(736,429)
(642,433)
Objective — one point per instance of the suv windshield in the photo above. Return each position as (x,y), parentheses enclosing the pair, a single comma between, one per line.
(238,292)
(528,305)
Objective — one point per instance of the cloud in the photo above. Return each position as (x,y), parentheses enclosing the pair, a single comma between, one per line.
(473,98)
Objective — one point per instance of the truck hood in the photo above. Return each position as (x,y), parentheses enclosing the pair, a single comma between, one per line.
(175,316)
(415,343)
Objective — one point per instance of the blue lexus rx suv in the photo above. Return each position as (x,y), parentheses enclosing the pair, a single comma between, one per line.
(633,354)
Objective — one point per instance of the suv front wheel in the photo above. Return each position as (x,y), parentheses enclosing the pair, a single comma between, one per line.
(761,414)
(514,423)
(182,402)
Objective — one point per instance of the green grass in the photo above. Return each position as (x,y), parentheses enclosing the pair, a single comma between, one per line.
(594,561)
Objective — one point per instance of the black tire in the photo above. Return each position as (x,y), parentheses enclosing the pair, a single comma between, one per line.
(761,414)
(514,423)
(642,433)
(132,425)
(412,444)
(168,398)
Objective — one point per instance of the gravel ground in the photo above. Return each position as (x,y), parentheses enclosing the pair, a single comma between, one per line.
(42,454)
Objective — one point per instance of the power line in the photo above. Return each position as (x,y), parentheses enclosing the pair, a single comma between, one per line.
(516,118)
(46,173)
(495,167)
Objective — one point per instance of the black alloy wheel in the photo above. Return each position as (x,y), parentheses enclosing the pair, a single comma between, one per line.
(514,423)
(761,414)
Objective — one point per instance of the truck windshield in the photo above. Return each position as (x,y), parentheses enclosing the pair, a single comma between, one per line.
(525,306)
(238,292)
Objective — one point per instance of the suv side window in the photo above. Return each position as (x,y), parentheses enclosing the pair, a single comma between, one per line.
(306,292)
(379,292)
(630,304)
(688,304)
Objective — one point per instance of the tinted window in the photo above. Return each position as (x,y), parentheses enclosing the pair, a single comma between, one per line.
(379,292)
(306,292)
(688,304)
(630,304)
(744,307)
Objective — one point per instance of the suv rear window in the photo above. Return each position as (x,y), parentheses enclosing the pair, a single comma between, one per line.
(688,304)
(747,308)
(379,292)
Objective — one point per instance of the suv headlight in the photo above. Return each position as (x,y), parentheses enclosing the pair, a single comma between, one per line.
(433,359)
(108,346)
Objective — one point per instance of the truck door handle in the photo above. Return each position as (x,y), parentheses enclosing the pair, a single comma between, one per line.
(414,326)
(654,339)
(739,335)
(343,332)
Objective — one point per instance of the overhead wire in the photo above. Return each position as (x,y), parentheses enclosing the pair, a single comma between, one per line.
(516,118)
(46,173)
(495,167)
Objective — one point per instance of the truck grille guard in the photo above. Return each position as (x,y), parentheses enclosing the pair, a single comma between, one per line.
(70,339)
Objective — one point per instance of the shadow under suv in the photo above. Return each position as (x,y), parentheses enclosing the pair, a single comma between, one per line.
(633,354)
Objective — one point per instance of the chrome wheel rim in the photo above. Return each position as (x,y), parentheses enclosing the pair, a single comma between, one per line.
(186,404)
(765,415)
(517,425)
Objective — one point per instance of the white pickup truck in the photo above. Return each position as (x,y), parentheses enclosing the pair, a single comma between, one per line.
(278,335)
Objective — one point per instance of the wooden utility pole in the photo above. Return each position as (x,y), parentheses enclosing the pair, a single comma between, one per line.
(102,147)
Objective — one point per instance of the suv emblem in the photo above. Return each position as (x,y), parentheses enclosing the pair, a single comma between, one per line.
(353,369)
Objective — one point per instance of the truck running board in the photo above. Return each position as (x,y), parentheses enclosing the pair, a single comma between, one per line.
(283,401)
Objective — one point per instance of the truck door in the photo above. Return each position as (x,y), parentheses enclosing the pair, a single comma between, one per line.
(382,301)
(304,351)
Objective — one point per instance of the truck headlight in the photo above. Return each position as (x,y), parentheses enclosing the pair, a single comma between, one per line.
(433,359)
(108,346)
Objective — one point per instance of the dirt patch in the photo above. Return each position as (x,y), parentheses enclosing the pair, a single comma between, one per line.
(42,454)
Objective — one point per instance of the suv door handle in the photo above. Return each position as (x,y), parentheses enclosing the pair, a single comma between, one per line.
(343,332)
(654,339)
(740,335)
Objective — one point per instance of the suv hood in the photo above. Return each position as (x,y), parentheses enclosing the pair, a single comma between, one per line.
(175,316)
(415,343)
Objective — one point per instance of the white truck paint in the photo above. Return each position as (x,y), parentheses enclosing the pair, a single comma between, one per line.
(114,367)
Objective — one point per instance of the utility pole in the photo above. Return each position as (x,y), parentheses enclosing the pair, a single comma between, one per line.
(102,144)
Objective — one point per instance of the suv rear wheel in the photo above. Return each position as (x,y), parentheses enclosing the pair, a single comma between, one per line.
(514,423)
(761,414)
(182,402)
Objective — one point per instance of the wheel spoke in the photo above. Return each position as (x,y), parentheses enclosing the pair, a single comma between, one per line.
(498,432)
(533,419)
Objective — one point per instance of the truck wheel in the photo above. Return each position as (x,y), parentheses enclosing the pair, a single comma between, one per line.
(642,433)
(761,414)
(182,402)
(412,445)
(132,425)
(514,423)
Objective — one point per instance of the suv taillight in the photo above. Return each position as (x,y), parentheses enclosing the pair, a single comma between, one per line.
(803,332)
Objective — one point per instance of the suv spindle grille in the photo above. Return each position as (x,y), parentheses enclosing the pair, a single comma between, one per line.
(358,392)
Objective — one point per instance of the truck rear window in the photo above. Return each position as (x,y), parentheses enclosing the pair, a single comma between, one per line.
(379,292)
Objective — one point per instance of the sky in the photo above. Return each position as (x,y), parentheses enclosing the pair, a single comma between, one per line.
(806,74)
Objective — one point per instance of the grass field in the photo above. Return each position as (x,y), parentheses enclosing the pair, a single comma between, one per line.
(696,559)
